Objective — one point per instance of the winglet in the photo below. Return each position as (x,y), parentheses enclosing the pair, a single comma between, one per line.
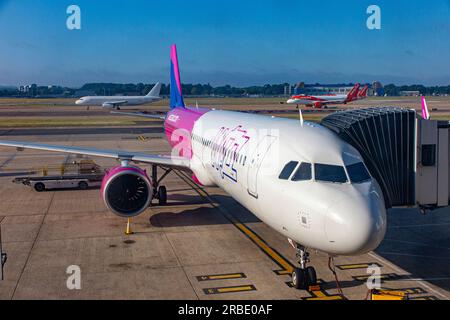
(176,96)
(425,113)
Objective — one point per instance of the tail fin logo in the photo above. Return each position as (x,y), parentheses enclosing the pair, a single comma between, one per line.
(353,93)
(176,96)
(363,93)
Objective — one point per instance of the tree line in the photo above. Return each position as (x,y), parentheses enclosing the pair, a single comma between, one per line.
(188,89)
(197,90)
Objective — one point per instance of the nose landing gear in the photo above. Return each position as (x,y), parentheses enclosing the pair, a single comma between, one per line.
(303,277)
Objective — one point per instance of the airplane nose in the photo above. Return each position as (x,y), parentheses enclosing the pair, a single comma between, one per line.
(356,225)
(78,102)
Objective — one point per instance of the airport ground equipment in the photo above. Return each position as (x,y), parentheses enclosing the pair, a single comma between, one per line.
(406,154)
(81,174)
(3,256)
(43,183)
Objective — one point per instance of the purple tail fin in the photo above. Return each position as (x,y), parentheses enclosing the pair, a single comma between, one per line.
(176,96)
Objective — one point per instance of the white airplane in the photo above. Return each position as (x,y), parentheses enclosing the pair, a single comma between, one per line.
(115,102)
(325,100)
(300,179)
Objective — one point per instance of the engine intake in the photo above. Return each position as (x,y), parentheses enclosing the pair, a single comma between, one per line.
(127,191)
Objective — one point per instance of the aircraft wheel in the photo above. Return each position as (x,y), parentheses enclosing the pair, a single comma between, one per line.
(83,185)
(311,276)
(162,195)
(299,278)
(39,187)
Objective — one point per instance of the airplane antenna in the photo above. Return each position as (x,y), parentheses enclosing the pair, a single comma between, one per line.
(301,115)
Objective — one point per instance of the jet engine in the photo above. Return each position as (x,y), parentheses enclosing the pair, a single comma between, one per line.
(127,191)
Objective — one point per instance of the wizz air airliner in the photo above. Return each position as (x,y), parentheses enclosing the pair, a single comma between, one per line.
(301,179)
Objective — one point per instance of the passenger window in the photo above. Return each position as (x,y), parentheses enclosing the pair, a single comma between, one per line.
(330,173)
(303,172)
(287,170)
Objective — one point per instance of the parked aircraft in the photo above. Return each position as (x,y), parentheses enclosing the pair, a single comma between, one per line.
(300,179)
(321,101)
(115,102)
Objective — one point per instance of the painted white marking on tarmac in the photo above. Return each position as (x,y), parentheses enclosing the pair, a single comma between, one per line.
(401,271)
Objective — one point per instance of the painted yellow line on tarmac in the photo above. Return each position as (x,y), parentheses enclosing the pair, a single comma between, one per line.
(357,266)
(229,289)
(222,276)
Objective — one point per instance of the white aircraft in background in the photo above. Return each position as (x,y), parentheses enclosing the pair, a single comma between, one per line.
(115,102)
(300,179)
(321,101)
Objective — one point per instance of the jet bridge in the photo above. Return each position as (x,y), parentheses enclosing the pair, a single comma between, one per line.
(406,154)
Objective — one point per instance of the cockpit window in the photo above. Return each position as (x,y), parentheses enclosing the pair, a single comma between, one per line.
(329,173)
(287,170)
(303,172)
(358,173)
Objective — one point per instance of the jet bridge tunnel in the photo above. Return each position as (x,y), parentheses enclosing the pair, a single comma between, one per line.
(406,154)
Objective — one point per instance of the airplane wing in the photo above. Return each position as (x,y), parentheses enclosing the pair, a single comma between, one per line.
(140,114)
(111,104)
(165,161)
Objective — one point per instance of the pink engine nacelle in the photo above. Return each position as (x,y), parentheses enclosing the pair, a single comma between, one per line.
(127,191)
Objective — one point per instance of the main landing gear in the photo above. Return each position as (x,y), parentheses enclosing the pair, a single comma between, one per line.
(303,277)
(159,192)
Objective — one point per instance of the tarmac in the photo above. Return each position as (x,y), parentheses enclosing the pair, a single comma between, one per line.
(201,245)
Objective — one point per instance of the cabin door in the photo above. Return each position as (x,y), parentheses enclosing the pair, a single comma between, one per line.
(254,164)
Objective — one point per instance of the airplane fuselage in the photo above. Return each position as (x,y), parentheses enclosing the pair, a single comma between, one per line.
(318,100)
(119,100)
(245,155)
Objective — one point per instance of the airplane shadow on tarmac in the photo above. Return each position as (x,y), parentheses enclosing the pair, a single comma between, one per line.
(204,215)
(419,244)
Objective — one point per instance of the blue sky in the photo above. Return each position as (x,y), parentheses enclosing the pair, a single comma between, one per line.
(237,42)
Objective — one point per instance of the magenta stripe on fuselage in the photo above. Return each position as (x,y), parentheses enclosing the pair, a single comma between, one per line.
(178,126)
